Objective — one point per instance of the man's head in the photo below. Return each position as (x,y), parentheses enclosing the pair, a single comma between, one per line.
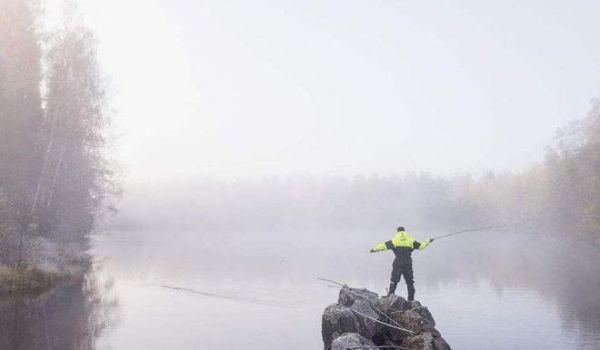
(400,229)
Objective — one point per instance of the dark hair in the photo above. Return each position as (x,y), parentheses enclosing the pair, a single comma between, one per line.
(400,228)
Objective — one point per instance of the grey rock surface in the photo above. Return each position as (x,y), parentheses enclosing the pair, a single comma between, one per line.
(337,320)
(424,312)
(423,341)
(413,321)
(361,318)
(394,303)
(440,344)
(350,341)
(349,295)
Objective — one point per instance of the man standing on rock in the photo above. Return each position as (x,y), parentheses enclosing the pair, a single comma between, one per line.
(402,245)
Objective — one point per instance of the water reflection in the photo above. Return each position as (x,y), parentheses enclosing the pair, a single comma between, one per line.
(565,273)
(71,316)
(521,290)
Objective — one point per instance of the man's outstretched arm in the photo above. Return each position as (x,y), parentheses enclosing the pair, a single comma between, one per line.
(382,247)
(422,246)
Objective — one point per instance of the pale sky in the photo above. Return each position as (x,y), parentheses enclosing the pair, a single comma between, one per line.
(237,88)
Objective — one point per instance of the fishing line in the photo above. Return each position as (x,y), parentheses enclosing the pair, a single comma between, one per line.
(486,228)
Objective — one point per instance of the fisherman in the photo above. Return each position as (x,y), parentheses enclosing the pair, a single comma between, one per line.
(402,245)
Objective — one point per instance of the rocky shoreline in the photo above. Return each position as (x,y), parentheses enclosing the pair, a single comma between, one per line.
(361,319)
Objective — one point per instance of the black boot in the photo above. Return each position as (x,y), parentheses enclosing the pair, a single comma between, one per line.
(411,292)
(392,288)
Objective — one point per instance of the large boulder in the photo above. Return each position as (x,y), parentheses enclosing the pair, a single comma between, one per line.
(413,321)
(349,295)
(424,312)
(423,341)
(337,320)
(393,303)
(412,304)
(440,344)
(368,327)
(362,319)
(350,341)
(365,304)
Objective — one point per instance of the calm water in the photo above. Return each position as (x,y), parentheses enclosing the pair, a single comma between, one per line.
(189,290)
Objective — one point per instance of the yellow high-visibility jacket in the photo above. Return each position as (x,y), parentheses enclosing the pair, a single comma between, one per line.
(402,244)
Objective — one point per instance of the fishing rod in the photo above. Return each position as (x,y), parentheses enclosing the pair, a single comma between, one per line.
(486,228)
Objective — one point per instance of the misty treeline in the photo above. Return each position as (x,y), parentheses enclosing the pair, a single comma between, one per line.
(53,177)
(560,194)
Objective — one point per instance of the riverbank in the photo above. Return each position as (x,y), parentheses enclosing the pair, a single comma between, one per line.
(25,280)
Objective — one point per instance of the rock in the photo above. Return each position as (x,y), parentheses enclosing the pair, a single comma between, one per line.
(359,316)
(440,344)
(337,320)
(426,341)
(365,302)
(350,341)
(424,311)
(393,303)
(423,341)
(349,295)
(368,327)
(412,304)
(412,321)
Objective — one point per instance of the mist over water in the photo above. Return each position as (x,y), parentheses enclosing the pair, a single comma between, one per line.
(493,290)
(258,289)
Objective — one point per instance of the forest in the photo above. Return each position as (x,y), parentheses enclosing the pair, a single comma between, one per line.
(54,177)
(558,195)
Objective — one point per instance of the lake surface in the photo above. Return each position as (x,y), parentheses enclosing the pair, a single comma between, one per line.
(190,290)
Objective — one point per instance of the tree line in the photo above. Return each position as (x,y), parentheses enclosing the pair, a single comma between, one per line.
(54,178)
(559,194)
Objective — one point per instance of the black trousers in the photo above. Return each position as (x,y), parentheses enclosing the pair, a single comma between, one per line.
(405,269)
